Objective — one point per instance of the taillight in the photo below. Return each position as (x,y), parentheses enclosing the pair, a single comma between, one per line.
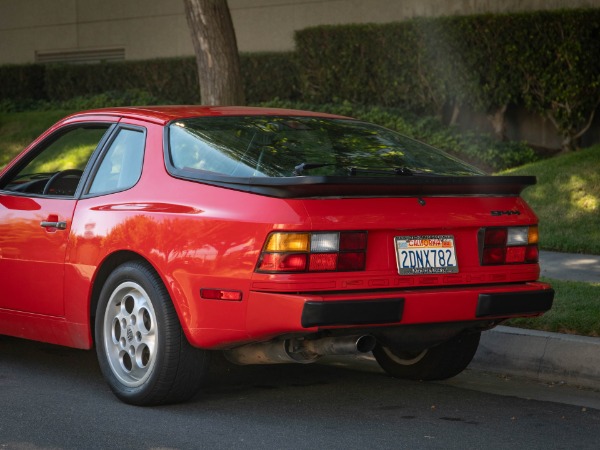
(291,252)
(509,245)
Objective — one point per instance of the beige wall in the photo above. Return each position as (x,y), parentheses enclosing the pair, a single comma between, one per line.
(157,28)
(269,24)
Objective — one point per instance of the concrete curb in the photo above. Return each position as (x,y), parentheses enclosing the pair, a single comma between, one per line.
(542,356)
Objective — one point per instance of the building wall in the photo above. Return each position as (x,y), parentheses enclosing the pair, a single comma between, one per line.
(85,30)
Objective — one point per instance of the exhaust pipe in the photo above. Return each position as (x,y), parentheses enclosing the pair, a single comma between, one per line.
(299,350)
(340,346)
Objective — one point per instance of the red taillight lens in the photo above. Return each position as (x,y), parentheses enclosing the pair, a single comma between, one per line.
(332,251)
(493,256)
(351,261)
(515,255)
(353,241)
(510,245)
(323,261)
(495,236)
(532,254)
(283,262)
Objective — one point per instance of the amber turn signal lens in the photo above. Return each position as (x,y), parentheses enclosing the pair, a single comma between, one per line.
(534,235)
(288,242)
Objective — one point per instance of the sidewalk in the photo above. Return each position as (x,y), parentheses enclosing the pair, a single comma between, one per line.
(570,266)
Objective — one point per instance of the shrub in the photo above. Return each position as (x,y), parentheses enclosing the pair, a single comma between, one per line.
(174,79)
(22,82)
(270,75)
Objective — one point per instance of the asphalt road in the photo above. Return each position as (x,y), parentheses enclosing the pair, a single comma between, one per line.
(53,397)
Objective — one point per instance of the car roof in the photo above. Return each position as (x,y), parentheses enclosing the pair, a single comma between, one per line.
(168,113)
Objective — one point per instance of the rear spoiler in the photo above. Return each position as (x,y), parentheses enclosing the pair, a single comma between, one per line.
(335,186)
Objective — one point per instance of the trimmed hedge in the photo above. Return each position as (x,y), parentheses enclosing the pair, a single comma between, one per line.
(547,61)
(172,80)
(22,82)
(365,64)
(270,75)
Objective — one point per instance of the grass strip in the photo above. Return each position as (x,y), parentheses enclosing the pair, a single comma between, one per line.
(576,310)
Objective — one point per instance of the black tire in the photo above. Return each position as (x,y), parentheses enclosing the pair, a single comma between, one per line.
(443,361)
(142,351)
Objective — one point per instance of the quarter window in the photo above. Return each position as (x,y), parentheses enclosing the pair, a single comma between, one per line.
(121,165)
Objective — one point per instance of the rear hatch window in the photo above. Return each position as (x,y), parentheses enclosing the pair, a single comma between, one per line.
(308,156)
(259,146)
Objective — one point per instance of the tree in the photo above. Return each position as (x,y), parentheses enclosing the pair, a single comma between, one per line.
(217,56)
(562,72)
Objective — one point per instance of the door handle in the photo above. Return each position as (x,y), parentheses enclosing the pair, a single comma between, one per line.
(57,225)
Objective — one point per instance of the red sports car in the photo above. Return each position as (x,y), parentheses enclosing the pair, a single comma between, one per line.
(161,234)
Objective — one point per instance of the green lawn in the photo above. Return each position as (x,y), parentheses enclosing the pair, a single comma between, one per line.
(17,130)
(576,310)
(567,200)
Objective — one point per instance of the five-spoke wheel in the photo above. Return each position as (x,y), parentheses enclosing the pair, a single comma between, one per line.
(130,334)
(142,350)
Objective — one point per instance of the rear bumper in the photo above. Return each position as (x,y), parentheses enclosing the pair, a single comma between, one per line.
(271,314)
(418,312)
(514,303)
(386,311)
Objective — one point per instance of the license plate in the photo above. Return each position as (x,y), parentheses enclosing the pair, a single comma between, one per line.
(417,255)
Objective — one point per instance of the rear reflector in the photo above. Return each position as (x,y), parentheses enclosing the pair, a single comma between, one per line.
(220,294)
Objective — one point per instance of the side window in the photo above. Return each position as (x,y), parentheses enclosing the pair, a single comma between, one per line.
(121,166)
(57,168)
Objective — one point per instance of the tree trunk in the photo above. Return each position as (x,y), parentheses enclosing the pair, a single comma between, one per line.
(496,118)
(455,113)
(216,51)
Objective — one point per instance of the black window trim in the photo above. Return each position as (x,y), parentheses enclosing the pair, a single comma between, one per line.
(101,154)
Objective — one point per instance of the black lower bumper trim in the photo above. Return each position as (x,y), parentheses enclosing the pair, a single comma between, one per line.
(317,314)
(514,303)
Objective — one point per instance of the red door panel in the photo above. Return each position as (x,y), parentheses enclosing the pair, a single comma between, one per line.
(33,239)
